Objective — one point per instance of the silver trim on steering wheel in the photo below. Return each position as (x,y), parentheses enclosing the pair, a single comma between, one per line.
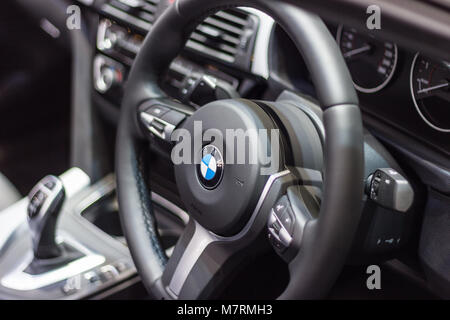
(202,238)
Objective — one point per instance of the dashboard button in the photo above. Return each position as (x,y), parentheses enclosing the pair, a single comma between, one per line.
(121,266)
(285,237)
(50,184)
(157,110)
(173,117)
(287,219)
(108,272)
(36,203)
(281,206)
(92,277)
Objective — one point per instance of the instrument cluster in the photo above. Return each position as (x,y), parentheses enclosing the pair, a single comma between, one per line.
(373,63)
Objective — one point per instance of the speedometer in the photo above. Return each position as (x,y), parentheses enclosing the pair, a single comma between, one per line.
(371,62)
(430,90)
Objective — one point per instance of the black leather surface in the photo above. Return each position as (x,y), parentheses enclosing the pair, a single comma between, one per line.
(137,218)
(434,245)
(328,239)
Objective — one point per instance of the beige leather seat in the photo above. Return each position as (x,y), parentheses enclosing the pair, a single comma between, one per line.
(8,193)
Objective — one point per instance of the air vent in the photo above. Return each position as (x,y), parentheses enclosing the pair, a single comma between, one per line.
(225,35)
(140,13)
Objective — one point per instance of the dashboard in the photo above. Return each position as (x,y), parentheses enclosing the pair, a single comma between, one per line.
(405,89)
(247,54)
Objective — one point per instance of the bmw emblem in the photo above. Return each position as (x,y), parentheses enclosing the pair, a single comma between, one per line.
(210,169)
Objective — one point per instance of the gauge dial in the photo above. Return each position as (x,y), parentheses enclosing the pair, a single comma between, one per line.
(430,90)
(371,62)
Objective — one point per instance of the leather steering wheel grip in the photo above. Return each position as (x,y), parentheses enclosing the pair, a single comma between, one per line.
(326,240)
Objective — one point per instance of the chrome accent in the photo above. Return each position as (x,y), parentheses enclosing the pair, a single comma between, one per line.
(263,196)
(260,65)
(87,2)
(106,73)
(202,238)
(283,235)
(19,280)
(219,170)
(101,189)
(107,8)
(107,185)
(103,42)
(210,81)
(148,119)
(169,251)
(133,3)
(173,208)
(102,81)
(74,180)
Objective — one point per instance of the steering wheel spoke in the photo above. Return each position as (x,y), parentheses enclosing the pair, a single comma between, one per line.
(308,177)
(199,263)
(202,260)
(297,205)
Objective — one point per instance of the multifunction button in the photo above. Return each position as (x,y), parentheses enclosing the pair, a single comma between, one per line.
(160,120)
(281,224)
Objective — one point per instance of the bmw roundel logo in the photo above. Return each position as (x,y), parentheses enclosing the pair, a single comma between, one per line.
(210,169)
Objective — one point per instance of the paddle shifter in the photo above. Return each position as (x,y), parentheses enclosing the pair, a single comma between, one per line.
(46,200)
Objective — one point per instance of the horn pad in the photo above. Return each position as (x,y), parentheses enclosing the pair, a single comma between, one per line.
(218,184)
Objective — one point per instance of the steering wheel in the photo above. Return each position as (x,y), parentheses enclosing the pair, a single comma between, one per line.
(232,216)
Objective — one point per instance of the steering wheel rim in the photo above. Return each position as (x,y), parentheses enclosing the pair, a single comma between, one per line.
(327,239)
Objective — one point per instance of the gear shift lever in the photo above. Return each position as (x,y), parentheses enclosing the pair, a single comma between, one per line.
(46,200)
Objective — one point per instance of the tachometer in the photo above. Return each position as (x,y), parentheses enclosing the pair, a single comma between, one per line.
(430,90)
(371,62)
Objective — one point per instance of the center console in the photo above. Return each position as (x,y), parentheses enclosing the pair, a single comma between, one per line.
(99,264)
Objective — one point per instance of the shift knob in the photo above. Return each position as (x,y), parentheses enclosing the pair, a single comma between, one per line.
(46,200)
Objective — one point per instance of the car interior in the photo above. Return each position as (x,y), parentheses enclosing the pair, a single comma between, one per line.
(96,94)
